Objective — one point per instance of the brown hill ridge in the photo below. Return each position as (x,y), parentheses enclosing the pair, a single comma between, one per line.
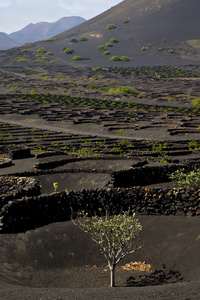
(155,32)
(37,32)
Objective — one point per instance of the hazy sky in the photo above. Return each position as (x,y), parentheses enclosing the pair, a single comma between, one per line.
(16,14)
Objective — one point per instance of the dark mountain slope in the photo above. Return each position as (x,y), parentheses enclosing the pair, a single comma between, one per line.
(159,32)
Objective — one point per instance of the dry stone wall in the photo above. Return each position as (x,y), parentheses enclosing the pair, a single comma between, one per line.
(20,215)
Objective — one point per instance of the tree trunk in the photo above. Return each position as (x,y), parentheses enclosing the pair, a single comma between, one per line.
(112,276)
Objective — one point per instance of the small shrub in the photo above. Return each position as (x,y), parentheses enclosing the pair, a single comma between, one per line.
(109,45)
(37,55)
(104,88)
(115,58)
(82,38)
(25,51)
(106,53)
(37,60)
(49,53)
(28,43)
(196,102)
(76,57)
(113,40)
(123,90)
(191,179)
(171,99)
(41,50)
(53,61)
(171,50)
(111,26)
(22,59)
(49,40)
(125,22)
(68,51)
(124,58)
(91,87)
(97,69)
(142,95)
(144,48)
(102,48)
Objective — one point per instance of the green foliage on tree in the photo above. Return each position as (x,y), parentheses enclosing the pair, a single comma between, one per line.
(190,179)
(115,236)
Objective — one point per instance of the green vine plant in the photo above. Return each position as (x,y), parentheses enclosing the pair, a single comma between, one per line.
(184,179)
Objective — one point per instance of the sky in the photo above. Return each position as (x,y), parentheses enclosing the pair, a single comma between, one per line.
(16,14)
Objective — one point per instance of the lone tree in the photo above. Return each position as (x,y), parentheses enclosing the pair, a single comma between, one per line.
(116,236)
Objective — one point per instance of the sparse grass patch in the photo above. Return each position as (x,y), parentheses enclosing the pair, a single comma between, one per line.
(194,43)
(120,131)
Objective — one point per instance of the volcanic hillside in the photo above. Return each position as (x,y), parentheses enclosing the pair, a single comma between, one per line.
(158,32)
